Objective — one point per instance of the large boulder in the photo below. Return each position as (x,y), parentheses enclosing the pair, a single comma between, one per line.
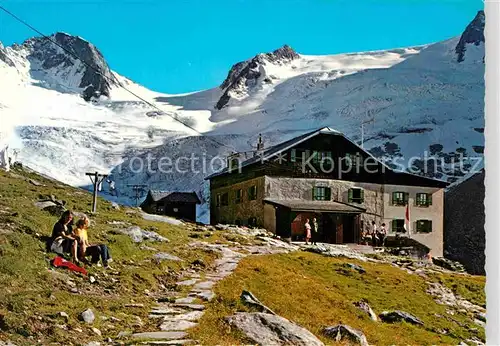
(269,330)
(88,316)
(362,305)
(51,207)
(448,264)
(249,299)
(399,316)
(138,235)
(344,332)
(355,267)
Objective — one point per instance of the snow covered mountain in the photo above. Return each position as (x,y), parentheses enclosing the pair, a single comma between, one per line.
(65,119)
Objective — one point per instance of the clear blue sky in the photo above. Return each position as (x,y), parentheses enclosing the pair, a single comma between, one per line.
(182,46)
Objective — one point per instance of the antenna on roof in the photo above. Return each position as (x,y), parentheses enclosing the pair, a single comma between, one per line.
(260,144)
(363,122)
(138,189)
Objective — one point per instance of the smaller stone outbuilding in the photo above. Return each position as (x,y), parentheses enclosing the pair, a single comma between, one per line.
(181,205)
(464,235)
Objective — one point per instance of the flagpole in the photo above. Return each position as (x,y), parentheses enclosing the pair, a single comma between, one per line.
(409,219)
(407,224)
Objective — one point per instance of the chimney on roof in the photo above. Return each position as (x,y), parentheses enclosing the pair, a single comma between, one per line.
(233,160)
(260,144)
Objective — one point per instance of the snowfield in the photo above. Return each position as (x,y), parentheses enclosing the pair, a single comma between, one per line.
(419,99)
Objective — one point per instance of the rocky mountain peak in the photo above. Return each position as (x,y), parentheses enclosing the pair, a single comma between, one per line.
(245,73)
(473,34)
(95,80)
(4,56)
(283,54)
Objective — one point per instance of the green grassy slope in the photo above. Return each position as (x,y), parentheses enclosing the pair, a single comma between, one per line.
(316,291)
(32,295)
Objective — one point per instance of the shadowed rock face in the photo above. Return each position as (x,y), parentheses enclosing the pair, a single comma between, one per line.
(473,34)
(246,73)
(464,235)
(4,57)
(48,55)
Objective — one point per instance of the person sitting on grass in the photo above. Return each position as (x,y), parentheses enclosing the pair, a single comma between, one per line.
(96,252)
(61,240)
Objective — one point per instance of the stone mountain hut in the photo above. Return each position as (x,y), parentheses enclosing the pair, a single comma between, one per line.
(322,174)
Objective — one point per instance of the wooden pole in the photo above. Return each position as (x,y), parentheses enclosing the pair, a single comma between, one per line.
(94,201)
(96,179)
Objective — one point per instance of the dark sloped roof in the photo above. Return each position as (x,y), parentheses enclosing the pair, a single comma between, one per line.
(172,196)
(306,205)
(281,147)
(266,154)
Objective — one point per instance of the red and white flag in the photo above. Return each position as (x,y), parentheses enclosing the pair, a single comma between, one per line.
(407,224)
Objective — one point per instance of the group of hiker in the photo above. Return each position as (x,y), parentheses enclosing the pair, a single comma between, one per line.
(312,231)
(374,236)
(71,238)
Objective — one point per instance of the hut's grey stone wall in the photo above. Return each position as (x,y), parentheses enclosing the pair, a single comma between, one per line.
(301,188)
(239,211)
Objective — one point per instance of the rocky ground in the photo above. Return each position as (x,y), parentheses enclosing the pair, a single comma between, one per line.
(178,313)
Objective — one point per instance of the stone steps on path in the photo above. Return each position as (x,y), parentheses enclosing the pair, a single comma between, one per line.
(162,335)
(177,325)
(170,342)
(189,282)
(189,306)
(177,317)
(186,300)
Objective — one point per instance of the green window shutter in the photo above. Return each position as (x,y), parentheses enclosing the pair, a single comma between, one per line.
(393,226)
(252,192)
(349,196)
(394,198)
(406,197)
(328,194)
(362,195)
(314,193)
(429,198)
